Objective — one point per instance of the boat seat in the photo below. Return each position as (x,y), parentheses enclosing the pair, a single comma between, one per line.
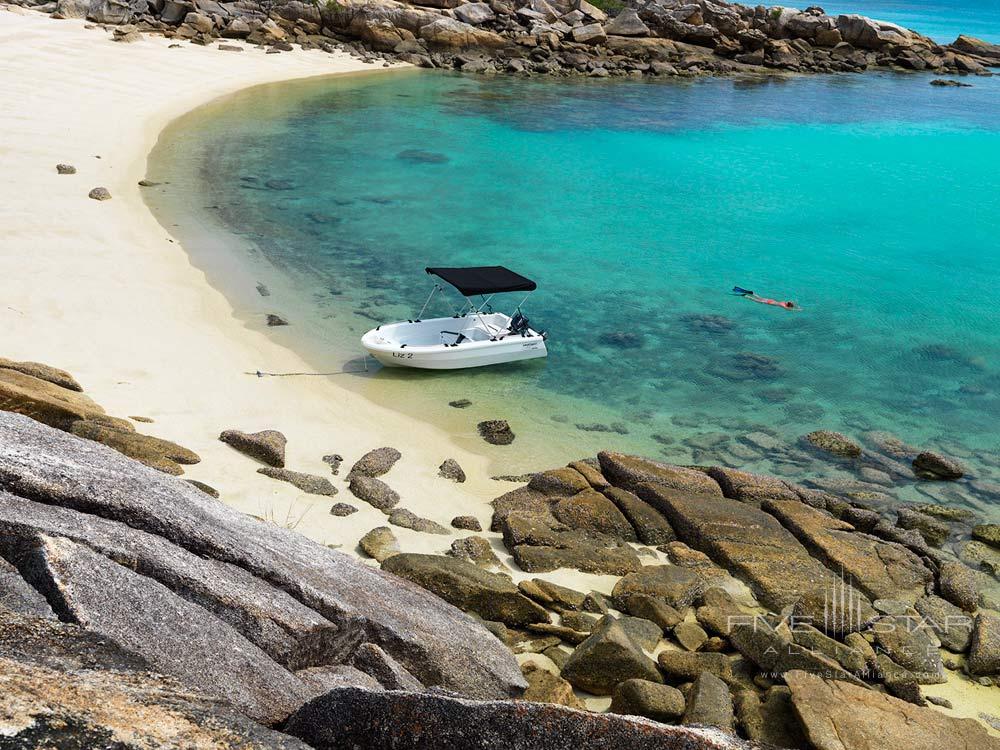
(459,337)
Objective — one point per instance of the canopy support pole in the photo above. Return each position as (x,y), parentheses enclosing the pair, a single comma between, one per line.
(420,314)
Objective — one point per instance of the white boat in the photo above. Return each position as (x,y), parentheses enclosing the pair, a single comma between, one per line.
(475,336)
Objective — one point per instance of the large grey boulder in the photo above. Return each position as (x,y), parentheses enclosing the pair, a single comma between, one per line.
(176,637)
(626,23)
(867,33)
(291,633)
(433,640)
(64,687)
(110,11)
(17,595)
(389,673)
(353,718)
(984,652)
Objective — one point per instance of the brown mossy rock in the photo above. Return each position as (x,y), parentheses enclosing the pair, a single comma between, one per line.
(607,657)
(837,715)
(539,544)
(653,609)
(468,523)
(745,540)
(266,446)
(750,488)
(553,596)
(771,721)
(834,443)
(880,569)
(775,653)
(407,519)
(373,491)
(690,635)
(630,472)
(43,372)
(311,484)
(811,638)
(685,666)
(155,452)
(984,650)
(545,687)
(952,625)
(591,471)
(637,697)
(988,533)
(44,401)
(475,549)
(468,587)
(521,499)
(678,587)
(709,704)
(960,584)
(650,526)
(450,469)
(206,488)
(380,543)
(562,482)
(375,462)
(589,510)
(934,532)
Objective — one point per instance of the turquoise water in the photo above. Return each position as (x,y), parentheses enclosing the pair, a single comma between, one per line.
(872,201)
(942,20)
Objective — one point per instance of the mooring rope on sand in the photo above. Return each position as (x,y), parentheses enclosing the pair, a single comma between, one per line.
(261,374)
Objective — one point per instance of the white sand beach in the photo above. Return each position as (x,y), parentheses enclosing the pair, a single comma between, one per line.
(100,289)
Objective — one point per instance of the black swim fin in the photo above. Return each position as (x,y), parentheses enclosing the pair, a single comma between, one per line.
(741,291)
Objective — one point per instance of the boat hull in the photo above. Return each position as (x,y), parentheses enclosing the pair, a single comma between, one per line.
(440,357)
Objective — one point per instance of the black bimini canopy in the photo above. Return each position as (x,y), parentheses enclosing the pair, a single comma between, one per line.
(484,280)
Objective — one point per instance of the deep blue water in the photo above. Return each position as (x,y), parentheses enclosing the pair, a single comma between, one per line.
(872,201)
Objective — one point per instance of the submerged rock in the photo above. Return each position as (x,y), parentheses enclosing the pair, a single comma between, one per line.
(834,443)
(930,465)
(496,432)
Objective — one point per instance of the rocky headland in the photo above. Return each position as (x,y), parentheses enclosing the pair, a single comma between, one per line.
(137,609)
(634,38)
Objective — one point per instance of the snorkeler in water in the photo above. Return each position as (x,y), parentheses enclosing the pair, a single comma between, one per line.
(748,294)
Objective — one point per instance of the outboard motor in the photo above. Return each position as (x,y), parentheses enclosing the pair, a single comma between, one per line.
(519,324)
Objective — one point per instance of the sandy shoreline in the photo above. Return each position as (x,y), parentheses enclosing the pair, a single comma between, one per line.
(99,289)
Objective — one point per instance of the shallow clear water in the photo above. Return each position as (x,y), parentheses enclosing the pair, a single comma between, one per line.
(872,201)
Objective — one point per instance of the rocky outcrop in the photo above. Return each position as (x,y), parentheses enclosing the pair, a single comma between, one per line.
(434,641)
(290,633)
(38,370)
(351,718)
(63,687)
(174,636)
(880,569)
(650,526)
(44,400)
(748,542)
(677,586)
(631,472)
(158,453)
(17,595)
(837,715)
